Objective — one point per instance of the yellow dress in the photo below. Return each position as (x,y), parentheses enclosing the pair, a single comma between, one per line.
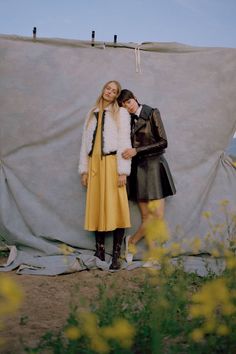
(107,206)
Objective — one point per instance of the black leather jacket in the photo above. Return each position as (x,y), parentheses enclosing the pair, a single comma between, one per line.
(148,134)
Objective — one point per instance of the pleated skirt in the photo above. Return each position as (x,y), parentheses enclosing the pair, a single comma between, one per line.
(150,179)
(107,206)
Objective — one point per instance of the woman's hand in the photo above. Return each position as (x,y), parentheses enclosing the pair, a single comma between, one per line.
(122,180)
(129,153)
(84,179)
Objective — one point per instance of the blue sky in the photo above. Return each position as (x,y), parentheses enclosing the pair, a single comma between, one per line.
(194,22)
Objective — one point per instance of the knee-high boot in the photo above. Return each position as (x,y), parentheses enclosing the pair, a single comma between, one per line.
(100,247)
(118,236)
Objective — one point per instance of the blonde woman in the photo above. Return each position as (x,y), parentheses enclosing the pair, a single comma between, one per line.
(104,171)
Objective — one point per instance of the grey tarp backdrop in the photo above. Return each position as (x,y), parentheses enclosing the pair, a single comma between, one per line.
(48,85)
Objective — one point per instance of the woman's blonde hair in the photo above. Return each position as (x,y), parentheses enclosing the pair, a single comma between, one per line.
(99,102)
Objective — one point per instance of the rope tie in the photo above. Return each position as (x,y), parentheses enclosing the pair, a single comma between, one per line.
(137,60)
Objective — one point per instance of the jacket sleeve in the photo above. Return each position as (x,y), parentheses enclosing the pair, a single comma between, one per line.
(124,142)
(158,131)
(83,158)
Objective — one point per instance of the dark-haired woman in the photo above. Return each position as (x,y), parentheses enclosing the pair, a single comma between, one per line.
(150,177)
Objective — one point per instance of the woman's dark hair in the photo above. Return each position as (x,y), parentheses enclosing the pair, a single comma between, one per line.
(125,95)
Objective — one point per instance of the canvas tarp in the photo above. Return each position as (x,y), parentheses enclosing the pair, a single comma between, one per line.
(48,85)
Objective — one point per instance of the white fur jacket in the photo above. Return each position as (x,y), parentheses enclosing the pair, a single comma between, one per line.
(115,139)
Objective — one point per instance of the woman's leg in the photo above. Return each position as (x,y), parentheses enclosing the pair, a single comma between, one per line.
(160,209)
(100,247)
(145,213)
(118,236)
(139,234)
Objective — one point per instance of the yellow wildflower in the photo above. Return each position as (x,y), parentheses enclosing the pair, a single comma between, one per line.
(93,332)
(156,230)
(196,245)
(121,331)
(211,301)
(207,214)
(72,333)
(218,228)
(99,345)
(228,309)
(228,253)
(223,330)
(153,205)
(153,273)
(89,323)
(157,254)
(197,335)
(169,268)
(231,262)
(210,325)
(233,218)
(108,332)
(196,310)
(66,250)
(10,298)
(224,202)
(215,253)
(132,248)
(175,249)
(10,295)
(208,237)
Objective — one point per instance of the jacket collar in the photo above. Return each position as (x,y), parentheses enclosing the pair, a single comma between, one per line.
(143,117)
(145,112)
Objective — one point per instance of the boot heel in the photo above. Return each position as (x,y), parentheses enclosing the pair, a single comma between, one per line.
(115,264)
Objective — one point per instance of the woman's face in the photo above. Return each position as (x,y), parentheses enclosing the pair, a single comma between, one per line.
(131,105)
(110,92)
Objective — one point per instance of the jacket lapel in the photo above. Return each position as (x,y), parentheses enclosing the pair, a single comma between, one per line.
(140,123)
(143,117)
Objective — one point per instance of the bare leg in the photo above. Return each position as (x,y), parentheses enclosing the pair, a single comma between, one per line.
(143,207)
(139,234)
(160,210)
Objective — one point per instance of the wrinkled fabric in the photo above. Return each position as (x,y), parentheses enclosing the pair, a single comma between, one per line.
(46,89)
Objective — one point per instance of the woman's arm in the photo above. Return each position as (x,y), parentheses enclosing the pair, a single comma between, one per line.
(158,131)
(124,142)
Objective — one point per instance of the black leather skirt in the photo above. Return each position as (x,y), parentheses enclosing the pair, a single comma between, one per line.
(150,179)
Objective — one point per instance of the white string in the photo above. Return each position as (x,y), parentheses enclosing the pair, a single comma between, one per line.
(137,60)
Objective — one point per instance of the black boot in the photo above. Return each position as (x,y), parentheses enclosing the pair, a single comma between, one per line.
(100,248)
(118,236)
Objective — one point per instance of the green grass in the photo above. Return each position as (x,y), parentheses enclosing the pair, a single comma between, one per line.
(158,312)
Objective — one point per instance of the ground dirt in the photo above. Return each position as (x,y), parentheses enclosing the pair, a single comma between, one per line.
(46,302)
